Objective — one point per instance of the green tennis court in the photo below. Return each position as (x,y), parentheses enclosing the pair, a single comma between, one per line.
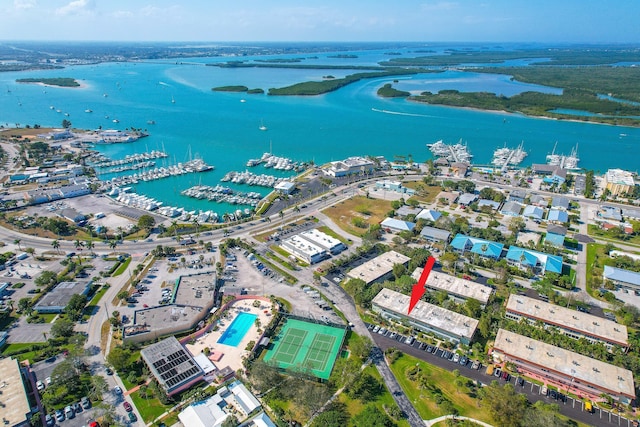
(306,345)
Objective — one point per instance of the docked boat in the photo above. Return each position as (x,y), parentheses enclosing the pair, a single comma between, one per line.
(455,153)
(504,157)
(567,162)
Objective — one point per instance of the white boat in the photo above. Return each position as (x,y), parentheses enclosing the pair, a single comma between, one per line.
(243,100)
(116,121)
(173,101)
(262,126)
(88,111)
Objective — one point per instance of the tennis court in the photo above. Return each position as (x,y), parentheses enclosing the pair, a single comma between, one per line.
(306,345)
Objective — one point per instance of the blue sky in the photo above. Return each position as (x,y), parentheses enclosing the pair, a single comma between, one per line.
(573,21)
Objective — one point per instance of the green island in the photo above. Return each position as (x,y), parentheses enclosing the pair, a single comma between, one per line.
(602,56)
(318,88)
(237,88)
(55,81)
(581,85)
(387,91)
(343,56)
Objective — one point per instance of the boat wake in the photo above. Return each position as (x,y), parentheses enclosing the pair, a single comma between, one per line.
(399,113)
(164,84)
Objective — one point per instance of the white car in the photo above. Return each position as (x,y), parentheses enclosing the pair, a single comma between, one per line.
(48,380)
(118,390)
(40,385)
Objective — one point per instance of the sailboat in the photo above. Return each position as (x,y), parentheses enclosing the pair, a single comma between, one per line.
(262,126)
(173,101)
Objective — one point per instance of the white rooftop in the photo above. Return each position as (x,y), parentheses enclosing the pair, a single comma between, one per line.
(568,363)
(563,317)
(438,317)
(619,176)
(321,239)
(13,399)
(455,285)
(378,267)
(302,245)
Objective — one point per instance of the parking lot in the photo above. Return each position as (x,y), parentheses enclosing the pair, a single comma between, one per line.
(444,359)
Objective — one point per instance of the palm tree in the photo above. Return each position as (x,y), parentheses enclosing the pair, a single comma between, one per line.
(174,224)
(113,244)
(17,242)
(89,245)
(56,245)
(120,231)
(196,223)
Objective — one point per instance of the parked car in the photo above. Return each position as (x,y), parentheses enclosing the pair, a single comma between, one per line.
(464,360)
(520,381)
(48,380)
(59,415)
(40,385)
(69,412)
(553,394)
(506,376)
(429,349)
(118,390)
(543,390)
(49,421)
(86,403)
(475,365)
(456,358)
(376,329)
(132,417)
(127,406)
(497,373)
(108,371)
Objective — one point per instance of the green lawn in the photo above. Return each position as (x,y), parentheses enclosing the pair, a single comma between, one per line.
(442,379)
(329,232)
(596,231)
(121,269)
(355,406)
(12,348)
(149,409)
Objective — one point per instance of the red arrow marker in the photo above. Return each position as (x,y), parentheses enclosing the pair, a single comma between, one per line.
(418,289)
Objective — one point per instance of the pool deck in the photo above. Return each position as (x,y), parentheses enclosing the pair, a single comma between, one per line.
(232,356)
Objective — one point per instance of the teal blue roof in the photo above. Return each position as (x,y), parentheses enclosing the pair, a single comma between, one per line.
(527,257)
(477,246)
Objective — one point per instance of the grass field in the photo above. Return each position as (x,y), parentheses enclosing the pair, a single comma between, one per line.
(369,211)
(424,193)
(308,346)
(442,379)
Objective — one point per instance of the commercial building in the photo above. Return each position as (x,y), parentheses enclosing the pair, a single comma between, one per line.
(565,369)
(618,182)
(458,289)
(482,247)
(623,278)
(285,187)
(323,240)
(350,166)
(14,402)
(304,250)
(378,268)
(172,365)
(425,317)
(192,299)
(538,262)
(56,300)
(389,185)
(573,323)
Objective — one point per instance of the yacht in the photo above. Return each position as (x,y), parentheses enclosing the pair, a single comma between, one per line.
(262,126)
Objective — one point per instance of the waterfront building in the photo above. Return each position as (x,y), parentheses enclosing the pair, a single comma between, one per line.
(573,323)
(323,240)
(397,225)
(624,278)
(285,187)
(482,247)
(191,300)
(16,409)
(579,185)
(559,202)
(553,174)
(555,235)
(57,299)
(172,365)
(425,317)
(511,209)
(538,262)
(564,369)
(350,166)
(458,289)
(433,234)
(429,215)
(534,212)
(619,182)
(558,216)
(304,249)
(379,268)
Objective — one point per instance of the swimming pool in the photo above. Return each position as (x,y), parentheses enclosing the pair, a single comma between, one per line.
(237,329)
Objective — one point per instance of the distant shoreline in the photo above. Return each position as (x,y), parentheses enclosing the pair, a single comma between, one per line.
(64,82)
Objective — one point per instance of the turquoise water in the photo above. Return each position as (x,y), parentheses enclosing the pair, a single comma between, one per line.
(224,131)
(237,329)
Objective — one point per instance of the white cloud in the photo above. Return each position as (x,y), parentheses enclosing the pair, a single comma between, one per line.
(24,4)
(122,14)
(76,7)
(439,6)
